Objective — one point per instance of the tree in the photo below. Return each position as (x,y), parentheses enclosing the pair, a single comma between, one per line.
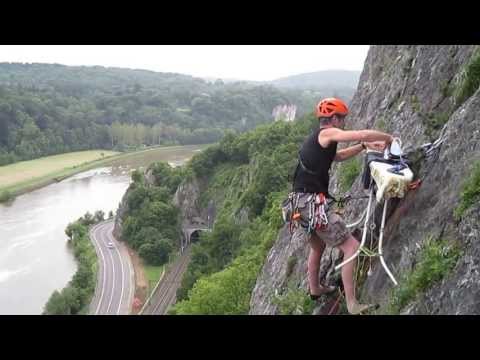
(223,293)
(75,230)
(99,216)
(88,219)
(82,278)
(56,305)
(140,134)
(222,243)
(116,133)
(136,197)
(159,215)
(166,176)
(137,176)
(71,296)
(147,234)
(156,253)
(129,229)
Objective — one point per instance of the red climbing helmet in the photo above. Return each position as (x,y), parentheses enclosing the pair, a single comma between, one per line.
(331,106)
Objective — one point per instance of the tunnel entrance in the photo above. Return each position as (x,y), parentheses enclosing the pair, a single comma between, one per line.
(195,236)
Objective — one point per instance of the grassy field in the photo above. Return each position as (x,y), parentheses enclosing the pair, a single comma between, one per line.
(21,177)
(153,275)
(28,175)
(27,170)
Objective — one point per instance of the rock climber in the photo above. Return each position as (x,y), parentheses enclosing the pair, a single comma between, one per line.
(311,178)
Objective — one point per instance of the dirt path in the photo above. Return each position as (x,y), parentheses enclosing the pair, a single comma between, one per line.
(141,283)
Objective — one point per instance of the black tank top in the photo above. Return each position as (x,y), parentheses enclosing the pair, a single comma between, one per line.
(313,176)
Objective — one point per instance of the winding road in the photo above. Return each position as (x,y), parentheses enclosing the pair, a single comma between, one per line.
(116,280)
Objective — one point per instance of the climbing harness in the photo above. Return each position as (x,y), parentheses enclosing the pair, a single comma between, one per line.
(317,207)
(316,204)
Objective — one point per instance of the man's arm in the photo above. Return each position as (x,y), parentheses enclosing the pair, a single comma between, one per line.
(334,134)
(351,151)
(347,153)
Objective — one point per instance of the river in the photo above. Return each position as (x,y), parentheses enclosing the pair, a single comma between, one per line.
(34,256)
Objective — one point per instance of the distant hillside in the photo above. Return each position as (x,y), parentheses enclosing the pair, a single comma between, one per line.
(320,80)
(49,109)
(342,83)
(231,80)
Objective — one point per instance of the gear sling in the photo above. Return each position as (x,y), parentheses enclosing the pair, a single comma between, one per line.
(316,203)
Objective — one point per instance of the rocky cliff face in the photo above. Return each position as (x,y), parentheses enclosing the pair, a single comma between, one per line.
(408,91)
(187,199)
(193,213)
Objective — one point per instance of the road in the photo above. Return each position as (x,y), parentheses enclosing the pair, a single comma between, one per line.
(165,294)
(116,278)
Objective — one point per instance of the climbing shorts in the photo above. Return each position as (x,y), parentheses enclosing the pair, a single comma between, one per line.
(335,233)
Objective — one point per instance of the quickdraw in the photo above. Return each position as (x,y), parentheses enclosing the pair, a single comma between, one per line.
(317,213)
(290,211)
(317,207)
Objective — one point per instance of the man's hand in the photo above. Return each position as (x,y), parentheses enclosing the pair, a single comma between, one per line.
(376,145)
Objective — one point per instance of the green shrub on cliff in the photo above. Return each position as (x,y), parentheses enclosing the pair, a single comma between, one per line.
(294,301)
(470,193)
(348,172)
(436,259)
(470,80)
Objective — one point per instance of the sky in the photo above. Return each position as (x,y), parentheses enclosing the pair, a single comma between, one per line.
(243,62)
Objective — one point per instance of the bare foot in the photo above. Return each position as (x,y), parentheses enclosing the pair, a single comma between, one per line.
(356,308)
(323,290)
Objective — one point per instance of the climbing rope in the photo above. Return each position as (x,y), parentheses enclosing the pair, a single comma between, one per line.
(334,307)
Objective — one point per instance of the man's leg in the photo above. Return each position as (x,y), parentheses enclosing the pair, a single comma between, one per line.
(317,247)
(349,247)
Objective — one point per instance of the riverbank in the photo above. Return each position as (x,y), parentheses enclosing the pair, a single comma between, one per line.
(74,299)
(76,163)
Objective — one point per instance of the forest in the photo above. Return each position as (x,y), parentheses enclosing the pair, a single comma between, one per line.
(52,109)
